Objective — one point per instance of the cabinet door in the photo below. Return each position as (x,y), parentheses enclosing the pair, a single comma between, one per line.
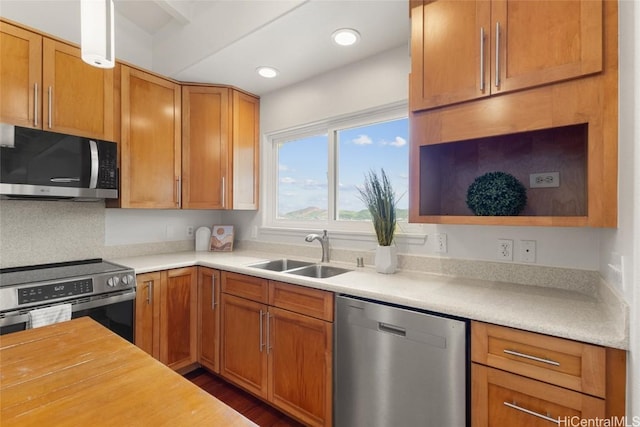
(209,318)
(449,56)
(246,151)
(300,365)
(244,355)
(147,330)
(545,41)
(500,399)
(178,318)
(206,136)
(79,97)
(150,141)
(20,77)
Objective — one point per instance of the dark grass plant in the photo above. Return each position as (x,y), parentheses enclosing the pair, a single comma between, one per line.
(380,199)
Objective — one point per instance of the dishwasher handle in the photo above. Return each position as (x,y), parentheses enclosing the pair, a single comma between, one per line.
(392,329)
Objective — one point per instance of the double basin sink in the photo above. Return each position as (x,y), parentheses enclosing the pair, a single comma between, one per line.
(300,268)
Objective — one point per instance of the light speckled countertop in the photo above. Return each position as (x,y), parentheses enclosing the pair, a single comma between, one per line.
(557,312)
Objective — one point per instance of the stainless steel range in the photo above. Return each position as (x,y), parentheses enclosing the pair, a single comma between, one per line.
(103,290)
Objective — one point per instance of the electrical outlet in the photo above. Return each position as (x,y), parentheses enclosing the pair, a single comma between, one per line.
(190,231)
(505,249)
(441,242)
(528,250)
(544,180)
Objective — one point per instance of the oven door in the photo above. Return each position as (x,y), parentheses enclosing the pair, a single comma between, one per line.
(114,311)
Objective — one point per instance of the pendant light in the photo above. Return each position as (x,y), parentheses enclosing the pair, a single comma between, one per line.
(97,35)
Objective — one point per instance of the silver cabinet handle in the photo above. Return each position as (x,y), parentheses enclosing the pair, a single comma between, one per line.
(213,292)
(50,104)
(497,54)
(530,412)
(93,178)
(35,104)
(149,292)
(481,59)
(528,356)
(268,334)
(223,190)
(178,191)
(261,340)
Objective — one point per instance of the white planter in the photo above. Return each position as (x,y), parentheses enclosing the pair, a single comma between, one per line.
(386,259)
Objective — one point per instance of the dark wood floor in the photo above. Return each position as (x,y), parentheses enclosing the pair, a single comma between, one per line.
(252,408)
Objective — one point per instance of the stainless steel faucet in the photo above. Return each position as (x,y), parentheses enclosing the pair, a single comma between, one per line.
(324,241)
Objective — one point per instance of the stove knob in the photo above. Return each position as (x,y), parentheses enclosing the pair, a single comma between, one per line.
(113,281)
(128,280)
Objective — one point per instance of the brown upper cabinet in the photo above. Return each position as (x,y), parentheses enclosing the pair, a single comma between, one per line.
(554,72)
(210,162)
(150,144)
(219,148)
(464,50)
(44,84)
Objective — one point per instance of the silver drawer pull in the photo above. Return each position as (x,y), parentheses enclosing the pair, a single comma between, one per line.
(528,356)
(530,412)
(261,336)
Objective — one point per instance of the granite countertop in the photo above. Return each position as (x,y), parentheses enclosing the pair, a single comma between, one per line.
(558,312)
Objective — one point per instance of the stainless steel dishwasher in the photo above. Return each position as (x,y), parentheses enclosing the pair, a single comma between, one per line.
(397,367)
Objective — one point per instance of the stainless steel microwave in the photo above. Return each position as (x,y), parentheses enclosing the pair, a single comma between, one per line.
(36,163)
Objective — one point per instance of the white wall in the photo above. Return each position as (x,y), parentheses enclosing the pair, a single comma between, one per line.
(624,242)
(383,80)
(134,226)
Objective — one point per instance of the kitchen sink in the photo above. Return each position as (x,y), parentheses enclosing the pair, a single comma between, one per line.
(281,264)
(318,271)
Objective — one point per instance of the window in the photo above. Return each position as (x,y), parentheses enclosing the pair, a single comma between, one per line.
(320,167)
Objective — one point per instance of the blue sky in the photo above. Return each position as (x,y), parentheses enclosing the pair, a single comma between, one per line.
(303,165)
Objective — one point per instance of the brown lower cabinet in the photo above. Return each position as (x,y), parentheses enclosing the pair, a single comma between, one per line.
(209,318)
(166,316)
(521,378)
(277,342)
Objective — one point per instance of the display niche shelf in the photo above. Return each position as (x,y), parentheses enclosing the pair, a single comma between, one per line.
(448,169)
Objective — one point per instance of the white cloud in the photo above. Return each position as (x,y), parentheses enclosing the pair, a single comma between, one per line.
(362,140)
(283,168)
(287,180)
(399,142)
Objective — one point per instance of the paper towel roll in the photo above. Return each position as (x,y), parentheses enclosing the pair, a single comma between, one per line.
(203,237)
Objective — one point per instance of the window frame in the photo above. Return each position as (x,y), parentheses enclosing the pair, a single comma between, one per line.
(330,126)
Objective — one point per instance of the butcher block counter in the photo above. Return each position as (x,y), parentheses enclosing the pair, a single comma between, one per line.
(78,373)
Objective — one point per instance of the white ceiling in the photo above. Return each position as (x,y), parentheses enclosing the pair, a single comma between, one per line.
(224,41)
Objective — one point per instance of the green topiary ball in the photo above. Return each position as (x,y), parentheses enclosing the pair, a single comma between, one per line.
(496,194)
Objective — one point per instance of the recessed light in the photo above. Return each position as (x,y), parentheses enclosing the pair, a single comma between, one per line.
(345,36)
(267,72)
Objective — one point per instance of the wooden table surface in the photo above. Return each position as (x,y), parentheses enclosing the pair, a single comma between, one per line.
(78,373)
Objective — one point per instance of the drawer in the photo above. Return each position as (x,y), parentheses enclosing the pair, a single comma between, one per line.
(249,287)
(503,399)
(566,363)
(300,299)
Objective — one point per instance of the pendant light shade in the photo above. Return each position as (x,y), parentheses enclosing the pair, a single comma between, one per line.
(97,35)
